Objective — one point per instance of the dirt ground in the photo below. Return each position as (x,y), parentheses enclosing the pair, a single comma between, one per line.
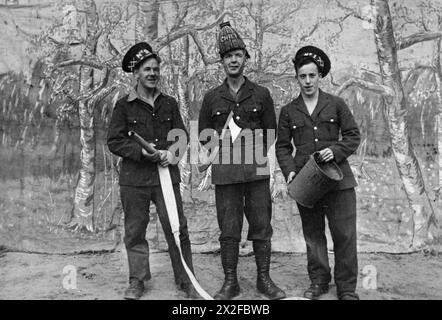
(104,276)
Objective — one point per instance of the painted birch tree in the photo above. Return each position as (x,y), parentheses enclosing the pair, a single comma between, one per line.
(424,218)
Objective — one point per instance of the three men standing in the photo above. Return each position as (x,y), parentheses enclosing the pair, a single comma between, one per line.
(245,111)
(241,187)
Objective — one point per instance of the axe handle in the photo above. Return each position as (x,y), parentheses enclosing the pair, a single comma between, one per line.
(149,147)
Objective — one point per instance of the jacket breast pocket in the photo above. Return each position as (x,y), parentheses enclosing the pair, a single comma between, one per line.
(297,127)
(219,117)
(329,126)
(252,114)
(166,124)
(137,124)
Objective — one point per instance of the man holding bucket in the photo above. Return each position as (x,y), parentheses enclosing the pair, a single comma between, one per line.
(315,121)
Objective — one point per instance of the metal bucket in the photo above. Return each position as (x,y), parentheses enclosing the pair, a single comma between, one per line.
(314,180)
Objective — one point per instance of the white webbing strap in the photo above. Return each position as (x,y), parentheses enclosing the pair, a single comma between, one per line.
(172,212)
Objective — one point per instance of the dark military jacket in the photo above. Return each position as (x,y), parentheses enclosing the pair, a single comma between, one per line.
(153,123)
(331,125)
(253,109)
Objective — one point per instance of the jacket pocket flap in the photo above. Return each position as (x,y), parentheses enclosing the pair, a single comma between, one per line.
(328,117)
(219,111)
(165,117)
(135,120)
(252,108)
(297,123)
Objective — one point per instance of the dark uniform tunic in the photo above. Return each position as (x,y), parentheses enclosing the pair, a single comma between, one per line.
(139,179)
(331,125)
(241,187)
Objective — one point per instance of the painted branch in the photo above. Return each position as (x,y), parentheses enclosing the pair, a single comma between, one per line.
(200,47)
(363,84)
(92,63)
(418,38)
(25,6)
(186,30)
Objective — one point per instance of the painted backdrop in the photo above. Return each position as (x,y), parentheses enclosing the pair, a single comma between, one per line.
(60,77)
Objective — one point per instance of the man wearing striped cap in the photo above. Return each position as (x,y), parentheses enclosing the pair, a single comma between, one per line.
(241,183)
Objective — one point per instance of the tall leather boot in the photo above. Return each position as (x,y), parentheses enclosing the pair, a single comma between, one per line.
(264,283)
(229,260)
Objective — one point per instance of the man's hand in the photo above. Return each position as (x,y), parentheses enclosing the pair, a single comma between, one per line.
(291,176)
(326,155)
(152,157)
(166,158)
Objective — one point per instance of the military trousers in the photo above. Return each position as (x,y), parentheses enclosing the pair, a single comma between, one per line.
(136,203)
(249,199)
(340,209)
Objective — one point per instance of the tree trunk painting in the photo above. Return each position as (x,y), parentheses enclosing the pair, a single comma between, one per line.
(438,77)
(146,24)
(53,175)
(83,210)
(423,214)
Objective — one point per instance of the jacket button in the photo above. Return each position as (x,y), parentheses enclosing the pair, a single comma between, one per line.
(237,118)
(315,128)
(254,110)
(332,120)
(135,121)
(156,140)
(153,114)
(218,113)
(237,104)
(294,127)
(316,140)
(168,119)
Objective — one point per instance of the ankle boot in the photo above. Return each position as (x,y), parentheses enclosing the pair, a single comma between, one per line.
(229,260)
(264,283)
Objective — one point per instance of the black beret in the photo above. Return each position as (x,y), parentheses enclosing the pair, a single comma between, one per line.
(317,55)
(137,54)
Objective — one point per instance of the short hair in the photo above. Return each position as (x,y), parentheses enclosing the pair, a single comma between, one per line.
(302,61)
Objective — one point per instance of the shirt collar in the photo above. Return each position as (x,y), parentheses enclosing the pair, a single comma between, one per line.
(133,94)
(245,83)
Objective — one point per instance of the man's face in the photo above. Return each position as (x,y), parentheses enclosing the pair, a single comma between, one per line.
(148,73)
(308,78)
(234,63)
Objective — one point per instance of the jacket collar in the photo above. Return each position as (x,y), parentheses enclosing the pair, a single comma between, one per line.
(245,92)
(323,101)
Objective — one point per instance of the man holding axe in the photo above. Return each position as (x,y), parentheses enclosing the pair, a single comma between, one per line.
(148,114)
(245,111)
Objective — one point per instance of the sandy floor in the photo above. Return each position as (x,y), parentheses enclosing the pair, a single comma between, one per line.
(104,276)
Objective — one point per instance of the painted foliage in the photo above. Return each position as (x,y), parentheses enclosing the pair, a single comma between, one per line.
(61,76)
